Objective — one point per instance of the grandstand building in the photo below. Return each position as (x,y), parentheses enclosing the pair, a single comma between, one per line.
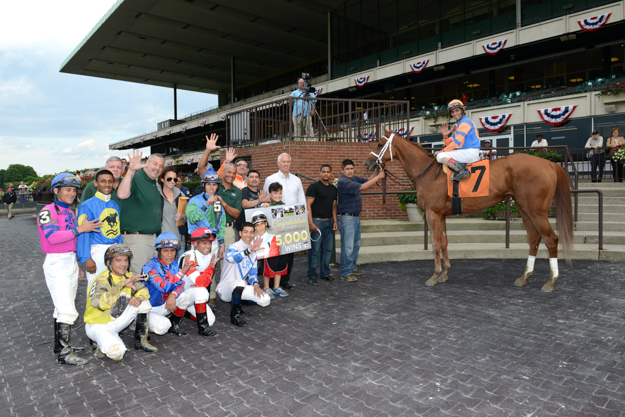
(536,66)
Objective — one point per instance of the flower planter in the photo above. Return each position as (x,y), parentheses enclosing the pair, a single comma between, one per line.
(414,213)
(610,99)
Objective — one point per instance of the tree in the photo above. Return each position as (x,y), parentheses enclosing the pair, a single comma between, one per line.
(18,172)
(2,171)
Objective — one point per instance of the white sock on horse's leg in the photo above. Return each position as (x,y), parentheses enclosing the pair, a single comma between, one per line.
(553,266)
(530,264)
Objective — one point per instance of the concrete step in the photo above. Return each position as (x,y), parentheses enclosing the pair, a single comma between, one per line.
(606,200)
(481,236)
(608,216)
(602,185)
(372,254)
(453,223)
(585,226)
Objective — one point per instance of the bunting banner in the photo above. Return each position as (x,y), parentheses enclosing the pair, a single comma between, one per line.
(279,103)
(318,91)
(142,139)
(168,163)
(368,137)
(403,132)
(203,123)
(249,110)
(360,82)
(132,142)
(154,136)
(556,116)
(189,161)
(495,123)
(169,132)
(417,67)
(494,48)
(184,128)
(594,23)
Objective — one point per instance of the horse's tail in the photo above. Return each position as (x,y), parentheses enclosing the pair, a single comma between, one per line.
(564,212)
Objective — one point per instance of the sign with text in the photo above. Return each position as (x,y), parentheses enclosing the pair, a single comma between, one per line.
(286,229)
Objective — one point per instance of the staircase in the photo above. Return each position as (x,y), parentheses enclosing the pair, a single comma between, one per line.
(476,238)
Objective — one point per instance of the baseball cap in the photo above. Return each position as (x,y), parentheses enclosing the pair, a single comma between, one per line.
(595,132)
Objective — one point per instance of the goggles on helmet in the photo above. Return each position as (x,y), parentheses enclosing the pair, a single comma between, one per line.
(113,252)
(168,243)
(69,181)
(204,237)
(259,218)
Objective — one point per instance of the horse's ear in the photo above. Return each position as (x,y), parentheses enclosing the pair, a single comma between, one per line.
(419,144)
(386,132)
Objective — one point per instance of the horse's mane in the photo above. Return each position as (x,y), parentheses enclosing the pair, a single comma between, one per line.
(418,147)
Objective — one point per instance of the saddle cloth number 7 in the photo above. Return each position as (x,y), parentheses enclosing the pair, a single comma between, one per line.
(477,185)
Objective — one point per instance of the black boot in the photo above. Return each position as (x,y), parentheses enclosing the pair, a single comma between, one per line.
(176,318)
(141,334)
(240,309)
(66,356)
(203,329)
(235,317)
(57,344)
(460,171)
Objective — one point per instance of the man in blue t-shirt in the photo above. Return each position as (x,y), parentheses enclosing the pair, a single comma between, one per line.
(349,207)
(303,111)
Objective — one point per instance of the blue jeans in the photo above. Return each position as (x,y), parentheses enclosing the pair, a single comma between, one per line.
(349,226)
(322,244)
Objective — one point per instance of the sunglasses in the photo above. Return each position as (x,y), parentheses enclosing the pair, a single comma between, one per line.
(170,179)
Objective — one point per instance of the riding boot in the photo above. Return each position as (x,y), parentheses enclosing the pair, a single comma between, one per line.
(66,356)
(235,317)
(460,170)
(57,344)
(203,329)
(141,334)
(240,309)
(176,318)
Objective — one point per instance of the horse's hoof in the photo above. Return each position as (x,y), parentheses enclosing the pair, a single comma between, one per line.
(430,282)
(548,287)
(520,282)
(442,278)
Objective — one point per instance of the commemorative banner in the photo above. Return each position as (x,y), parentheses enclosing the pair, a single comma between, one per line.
(285,231)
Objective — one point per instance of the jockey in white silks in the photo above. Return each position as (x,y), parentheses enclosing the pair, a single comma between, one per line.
(462,146)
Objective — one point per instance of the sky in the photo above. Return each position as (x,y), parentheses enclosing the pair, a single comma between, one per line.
(56,122)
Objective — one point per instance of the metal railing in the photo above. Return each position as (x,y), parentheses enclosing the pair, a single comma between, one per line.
(340,120)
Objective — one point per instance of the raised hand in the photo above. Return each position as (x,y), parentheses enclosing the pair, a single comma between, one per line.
(256,244)
(134,161)
(211,144)
(187,262)
(230,155)
(263,197)
(445,129)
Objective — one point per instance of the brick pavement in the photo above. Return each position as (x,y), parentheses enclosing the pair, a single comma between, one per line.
(385,346)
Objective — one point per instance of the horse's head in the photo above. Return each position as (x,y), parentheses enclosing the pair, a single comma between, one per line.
(381,154)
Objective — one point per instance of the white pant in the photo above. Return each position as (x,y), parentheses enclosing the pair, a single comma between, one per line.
(107,335)
(465,156)
(61,272)
(159,323)
(248,293)
(303,126)
(209,314)
(97,254)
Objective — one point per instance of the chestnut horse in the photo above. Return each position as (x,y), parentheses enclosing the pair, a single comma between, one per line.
(531,181)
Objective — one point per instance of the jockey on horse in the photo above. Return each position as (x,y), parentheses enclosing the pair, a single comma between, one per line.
(462,146)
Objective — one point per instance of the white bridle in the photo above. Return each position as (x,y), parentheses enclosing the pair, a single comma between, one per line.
(388,145)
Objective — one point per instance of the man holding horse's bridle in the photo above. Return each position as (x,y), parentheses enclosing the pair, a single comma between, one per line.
(462,146)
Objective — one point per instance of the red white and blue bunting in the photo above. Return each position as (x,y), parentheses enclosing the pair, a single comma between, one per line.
(318,91)
(142,139)
(132,142)
(417,67)
(594,23)
(403,132)
(203,123)
(279,103)
(184,128)
(360,82)
(169,163)
(154,136)
(368,137)
(495,123)
(169,132)
(189,161)
(556,116)
(494,48)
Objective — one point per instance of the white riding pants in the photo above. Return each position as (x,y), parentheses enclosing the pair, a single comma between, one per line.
(248,293)
(465,156)
(107,335)
(61,272)
(97,254)
(159,323)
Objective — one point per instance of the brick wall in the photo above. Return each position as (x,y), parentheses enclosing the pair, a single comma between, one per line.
(307,158)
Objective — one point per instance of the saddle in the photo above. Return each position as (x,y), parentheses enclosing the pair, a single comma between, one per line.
(477,185)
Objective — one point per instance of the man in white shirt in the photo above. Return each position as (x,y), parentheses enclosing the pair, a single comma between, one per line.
(539,142)
(292,195)
(596,155)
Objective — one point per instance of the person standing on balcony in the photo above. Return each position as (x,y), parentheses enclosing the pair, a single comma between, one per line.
(615,142)
(303,111)
(596,155)
(539,142)
(23,190)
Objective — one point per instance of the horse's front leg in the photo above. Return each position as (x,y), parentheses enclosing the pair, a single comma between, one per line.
(434,223)
(444,241)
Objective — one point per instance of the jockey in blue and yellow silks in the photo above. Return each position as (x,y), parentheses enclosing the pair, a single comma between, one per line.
(462,146)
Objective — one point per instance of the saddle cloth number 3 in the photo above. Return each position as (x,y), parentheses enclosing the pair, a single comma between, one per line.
(475,186)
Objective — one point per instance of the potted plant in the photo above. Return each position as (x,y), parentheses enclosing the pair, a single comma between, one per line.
(613,93)
(498,211)
(545,153)
(409,203)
